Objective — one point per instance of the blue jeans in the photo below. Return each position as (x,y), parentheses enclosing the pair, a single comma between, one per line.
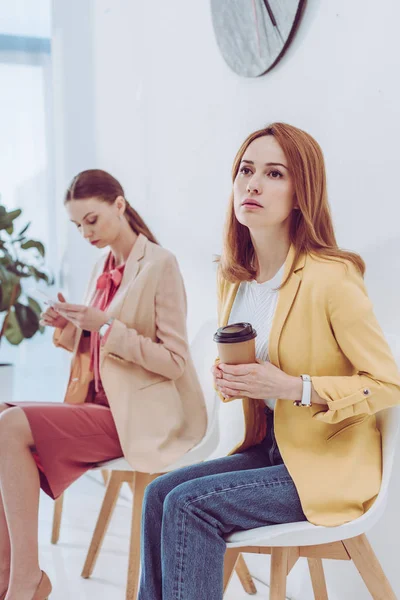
(188,513)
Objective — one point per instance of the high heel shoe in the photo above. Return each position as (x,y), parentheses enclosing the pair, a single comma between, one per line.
(44,588)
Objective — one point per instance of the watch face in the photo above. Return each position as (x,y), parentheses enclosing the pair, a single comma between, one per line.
(253,35)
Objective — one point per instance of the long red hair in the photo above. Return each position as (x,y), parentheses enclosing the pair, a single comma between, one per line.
(311,229)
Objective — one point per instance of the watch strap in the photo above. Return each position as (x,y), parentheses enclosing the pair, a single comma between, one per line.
(306,395)
(103,329)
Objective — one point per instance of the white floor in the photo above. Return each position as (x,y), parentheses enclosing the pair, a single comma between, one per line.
(64,562)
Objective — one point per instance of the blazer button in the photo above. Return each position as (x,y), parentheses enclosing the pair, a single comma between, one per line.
(366,392)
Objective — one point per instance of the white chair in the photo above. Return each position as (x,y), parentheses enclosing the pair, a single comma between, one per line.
(287,543)
(203,354)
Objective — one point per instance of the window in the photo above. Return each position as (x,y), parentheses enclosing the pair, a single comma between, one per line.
(26,170)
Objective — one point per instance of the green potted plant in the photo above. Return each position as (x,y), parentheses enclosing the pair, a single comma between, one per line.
(21,259)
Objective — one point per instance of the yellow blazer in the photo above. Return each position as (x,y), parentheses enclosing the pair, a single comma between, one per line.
(145,365)
(324,326)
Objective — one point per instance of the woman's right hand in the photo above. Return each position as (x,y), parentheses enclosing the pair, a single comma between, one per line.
(51,318)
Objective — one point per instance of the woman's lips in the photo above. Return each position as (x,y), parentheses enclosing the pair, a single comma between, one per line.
(252,204)
(95,242)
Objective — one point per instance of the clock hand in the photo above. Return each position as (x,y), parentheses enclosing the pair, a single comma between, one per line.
(257,31)
(273,20)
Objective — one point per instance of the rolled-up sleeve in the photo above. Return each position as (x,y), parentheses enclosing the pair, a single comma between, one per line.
(65,337)
(376,382)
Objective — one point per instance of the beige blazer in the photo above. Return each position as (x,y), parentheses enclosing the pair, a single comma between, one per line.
(324,326)
(145,365)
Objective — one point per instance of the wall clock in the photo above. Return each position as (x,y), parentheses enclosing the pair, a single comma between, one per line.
(253,35)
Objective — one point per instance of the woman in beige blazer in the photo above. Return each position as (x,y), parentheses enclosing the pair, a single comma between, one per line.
(132,390)
(318,345)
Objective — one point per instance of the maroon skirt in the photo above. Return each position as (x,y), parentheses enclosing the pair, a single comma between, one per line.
(69,440)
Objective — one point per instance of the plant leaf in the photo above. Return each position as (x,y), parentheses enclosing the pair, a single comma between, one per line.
(40,275)
(35,306)
(7,218)
(13,331)
(7,286)
(34,244)
(27,319)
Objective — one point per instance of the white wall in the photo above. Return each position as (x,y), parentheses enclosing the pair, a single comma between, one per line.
(145,94)
(20,17)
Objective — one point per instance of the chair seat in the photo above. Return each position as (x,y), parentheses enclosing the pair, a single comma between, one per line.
(304,533)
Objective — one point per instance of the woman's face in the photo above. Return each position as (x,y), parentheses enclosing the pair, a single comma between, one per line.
(99,222)
(263,190)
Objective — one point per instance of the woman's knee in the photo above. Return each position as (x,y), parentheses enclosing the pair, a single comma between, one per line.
(14,426)
(180,497)
(158,489)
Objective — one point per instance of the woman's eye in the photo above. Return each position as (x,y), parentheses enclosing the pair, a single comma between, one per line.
(245,170)
(92,222)
(275,174)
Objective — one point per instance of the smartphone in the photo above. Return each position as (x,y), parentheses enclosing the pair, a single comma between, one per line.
(46,297)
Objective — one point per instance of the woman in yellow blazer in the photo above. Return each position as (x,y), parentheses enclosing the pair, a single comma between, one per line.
(132,391)
(318,345)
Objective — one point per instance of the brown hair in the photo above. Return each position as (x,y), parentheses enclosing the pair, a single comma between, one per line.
(95,183)
(311,229)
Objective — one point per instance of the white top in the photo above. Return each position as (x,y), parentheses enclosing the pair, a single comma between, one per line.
(255,303)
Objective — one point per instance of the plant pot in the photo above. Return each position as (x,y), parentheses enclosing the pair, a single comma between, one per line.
(6,382)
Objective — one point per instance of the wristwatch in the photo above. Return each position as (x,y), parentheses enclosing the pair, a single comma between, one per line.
(103,329)
(306,395)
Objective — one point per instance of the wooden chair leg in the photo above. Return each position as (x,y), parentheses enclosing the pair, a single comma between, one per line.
(279,569)
(231,556)
(244,575)
(57,513)
(139,485)
(369,568)
(105,475)
(111,496)
(318,578)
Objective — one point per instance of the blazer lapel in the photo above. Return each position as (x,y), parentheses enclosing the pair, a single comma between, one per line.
(130,272)
(286,298)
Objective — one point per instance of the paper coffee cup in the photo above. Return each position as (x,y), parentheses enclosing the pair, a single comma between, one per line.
(236,344)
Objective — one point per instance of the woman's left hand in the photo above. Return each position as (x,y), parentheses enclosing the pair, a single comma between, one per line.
(85,317)
(260,380)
